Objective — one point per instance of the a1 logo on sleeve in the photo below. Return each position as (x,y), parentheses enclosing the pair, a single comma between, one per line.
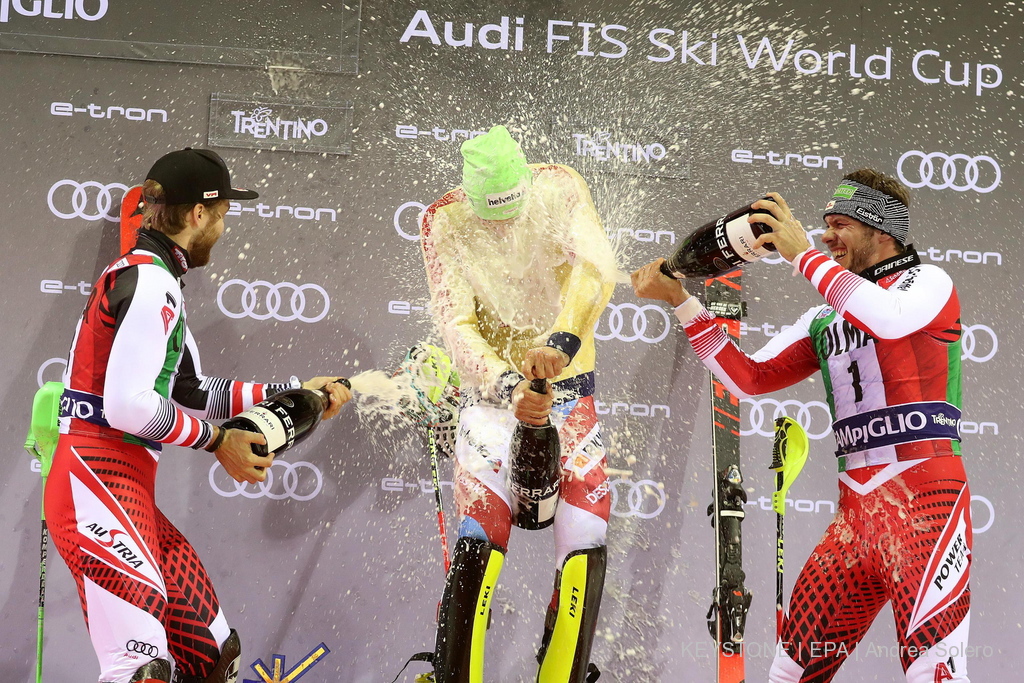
(942,672)
(167,312)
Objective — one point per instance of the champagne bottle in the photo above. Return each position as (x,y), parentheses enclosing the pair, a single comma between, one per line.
(718,246)
(535,468)
(284,419)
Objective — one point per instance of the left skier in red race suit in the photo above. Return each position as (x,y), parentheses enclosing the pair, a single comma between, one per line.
(887,343)
(133,383)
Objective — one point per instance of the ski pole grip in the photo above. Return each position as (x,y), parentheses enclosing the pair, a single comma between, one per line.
(779,447)
(540,385)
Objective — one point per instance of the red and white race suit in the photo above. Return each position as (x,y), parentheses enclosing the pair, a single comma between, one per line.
(133,383)
(887,344)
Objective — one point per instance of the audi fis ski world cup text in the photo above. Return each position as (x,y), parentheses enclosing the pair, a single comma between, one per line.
(708,50)
(89,10)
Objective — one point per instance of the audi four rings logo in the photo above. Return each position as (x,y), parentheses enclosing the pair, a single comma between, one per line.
(990,509)
(809,415)
(978,343)
(89,200)
(940,171)
(142,648)
(644,499)
(414,228)
(297,480)
(638,327)
(284,301)
(44,374)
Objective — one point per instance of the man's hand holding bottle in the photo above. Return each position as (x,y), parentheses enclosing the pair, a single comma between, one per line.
(236,455)
(543,362)
(649,282)
(339,393)
(234,447)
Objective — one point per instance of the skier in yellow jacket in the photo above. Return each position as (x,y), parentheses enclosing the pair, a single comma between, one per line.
(520,269)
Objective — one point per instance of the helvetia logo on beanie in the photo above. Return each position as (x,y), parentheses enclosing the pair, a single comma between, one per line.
(500,199)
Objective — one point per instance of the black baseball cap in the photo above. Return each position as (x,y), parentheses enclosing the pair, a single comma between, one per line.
(191,176)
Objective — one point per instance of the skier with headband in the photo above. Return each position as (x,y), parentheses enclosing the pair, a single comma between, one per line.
(887,343)
(519,270)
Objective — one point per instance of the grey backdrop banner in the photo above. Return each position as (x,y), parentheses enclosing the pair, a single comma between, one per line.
(333,567)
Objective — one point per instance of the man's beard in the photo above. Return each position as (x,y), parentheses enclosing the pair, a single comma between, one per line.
(200,248)
(861,258)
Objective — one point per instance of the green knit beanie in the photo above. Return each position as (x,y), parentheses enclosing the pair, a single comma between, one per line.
(495,176)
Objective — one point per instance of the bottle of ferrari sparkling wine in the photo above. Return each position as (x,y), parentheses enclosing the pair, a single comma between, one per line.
(535,468)
(718,247)
(284,419)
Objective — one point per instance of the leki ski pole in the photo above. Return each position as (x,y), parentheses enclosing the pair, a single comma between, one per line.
(438,502)
(40,443)
(434,381)
(788,457)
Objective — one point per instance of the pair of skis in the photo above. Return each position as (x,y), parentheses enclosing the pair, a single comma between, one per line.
(730,598)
